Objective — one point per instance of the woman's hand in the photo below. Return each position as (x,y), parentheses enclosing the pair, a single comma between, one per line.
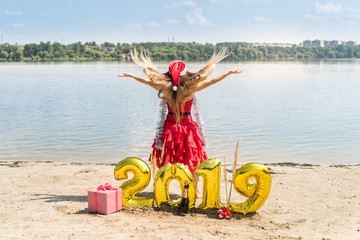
(142,80)
(237,71)
(206,83)
(125,75)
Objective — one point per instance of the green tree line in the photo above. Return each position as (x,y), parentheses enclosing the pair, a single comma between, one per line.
(163,51)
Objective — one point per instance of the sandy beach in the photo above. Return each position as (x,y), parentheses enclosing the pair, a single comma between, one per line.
(48,200)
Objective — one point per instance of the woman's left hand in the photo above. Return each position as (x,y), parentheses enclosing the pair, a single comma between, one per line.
(125,75)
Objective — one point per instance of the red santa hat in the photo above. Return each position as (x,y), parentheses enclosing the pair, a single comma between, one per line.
(177,69)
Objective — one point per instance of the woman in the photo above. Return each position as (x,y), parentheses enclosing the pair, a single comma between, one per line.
(180,141)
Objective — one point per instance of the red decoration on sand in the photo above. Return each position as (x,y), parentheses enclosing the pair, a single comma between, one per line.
(224,213)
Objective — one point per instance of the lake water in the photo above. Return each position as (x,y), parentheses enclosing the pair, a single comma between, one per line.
(288,111)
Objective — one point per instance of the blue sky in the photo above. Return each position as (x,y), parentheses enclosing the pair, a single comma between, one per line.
(284,21)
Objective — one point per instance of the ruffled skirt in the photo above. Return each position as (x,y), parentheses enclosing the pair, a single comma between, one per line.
(182,144)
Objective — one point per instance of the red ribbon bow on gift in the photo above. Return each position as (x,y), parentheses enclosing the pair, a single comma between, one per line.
(105,187)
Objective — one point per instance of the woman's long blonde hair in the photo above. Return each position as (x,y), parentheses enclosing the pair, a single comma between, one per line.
(185,87)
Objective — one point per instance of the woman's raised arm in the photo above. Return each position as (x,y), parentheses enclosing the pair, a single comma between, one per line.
(206,83)
(142,80)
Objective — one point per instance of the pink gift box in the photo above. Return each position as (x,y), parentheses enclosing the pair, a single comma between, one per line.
(105,201)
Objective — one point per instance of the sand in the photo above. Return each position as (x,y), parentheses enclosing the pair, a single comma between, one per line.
(47,200)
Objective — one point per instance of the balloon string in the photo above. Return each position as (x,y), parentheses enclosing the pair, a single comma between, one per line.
(236,154)
(225,177)
(230,190)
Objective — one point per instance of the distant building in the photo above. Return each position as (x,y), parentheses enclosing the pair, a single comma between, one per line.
(325,43)
(335,43)
(317,43)
(20,46)
(108,48)
(307,43)
(125,56)
(350,43)
(273,44)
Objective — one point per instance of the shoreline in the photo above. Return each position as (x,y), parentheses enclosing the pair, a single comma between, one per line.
(189,61)
(15,163)
(48,200)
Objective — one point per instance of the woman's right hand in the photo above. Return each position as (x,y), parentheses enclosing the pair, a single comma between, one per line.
(237,71)
(125,75)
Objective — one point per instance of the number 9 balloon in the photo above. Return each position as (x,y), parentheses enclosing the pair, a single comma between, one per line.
(256,192)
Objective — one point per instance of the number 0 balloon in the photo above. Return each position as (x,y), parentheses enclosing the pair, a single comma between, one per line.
(166,173)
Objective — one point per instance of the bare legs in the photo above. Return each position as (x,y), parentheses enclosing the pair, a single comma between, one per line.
(196,180)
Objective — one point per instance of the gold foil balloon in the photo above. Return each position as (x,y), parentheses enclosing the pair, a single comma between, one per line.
(165,174)
(210,171)
(257,192)
(136,184)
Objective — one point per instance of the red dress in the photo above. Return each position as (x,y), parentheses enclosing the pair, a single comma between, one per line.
(183,142)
